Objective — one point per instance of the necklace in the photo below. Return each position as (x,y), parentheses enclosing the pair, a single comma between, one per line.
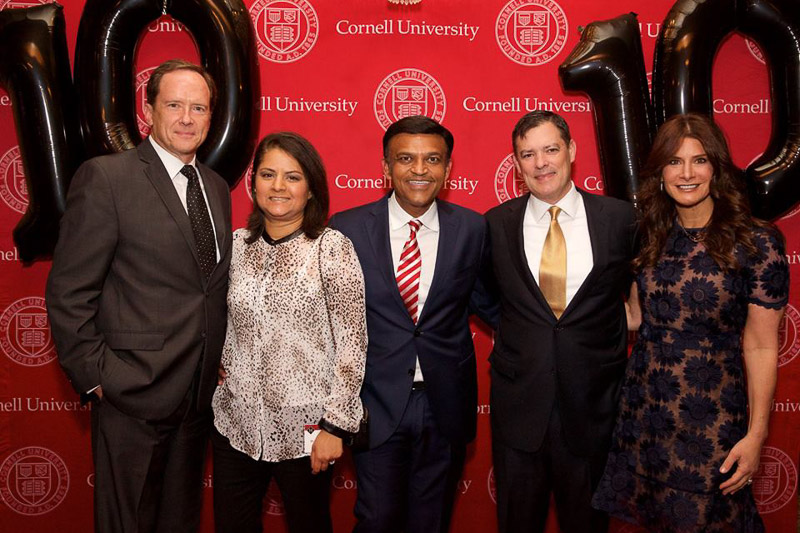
(699,233)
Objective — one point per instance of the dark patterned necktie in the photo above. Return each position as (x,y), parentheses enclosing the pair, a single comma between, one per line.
(201,222)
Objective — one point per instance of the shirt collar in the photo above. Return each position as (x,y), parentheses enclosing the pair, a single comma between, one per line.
(569,204)
(399,218)
(171,163)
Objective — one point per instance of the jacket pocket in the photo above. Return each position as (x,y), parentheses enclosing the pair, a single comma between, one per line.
(124,340)
(502,366)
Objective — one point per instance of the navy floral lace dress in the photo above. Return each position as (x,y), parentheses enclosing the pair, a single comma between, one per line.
(684,402)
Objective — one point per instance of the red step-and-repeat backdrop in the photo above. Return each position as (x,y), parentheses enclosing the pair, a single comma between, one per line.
(338,72)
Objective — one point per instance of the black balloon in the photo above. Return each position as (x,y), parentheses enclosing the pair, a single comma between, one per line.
(225,37)
(608,65)
(687,43)
(774,178)
(104,71)
(34,69)
(104,75)
(683,64)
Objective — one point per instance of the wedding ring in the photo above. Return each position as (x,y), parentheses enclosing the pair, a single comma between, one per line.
(749,481)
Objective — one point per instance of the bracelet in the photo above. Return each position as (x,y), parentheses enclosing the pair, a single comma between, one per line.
(335,431)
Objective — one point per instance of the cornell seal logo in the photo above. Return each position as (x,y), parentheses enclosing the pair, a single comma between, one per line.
(531,32)
(507,184)
(25,332)
(775,483)
(33,481)
(491,486)
(788,341)
(248,180)
(141,99)
(408,92)
(16,4)
(755,51)
(286,29)
(13,189)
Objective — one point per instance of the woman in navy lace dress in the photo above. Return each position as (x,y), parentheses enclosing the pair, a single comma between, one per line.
(711,286)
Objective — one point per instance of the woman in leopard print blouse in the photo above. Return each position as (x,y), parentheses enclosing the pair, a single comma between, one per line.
(295,349)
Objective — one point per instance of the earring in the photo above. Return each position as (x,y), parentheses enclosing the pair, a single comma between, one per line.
(662,184)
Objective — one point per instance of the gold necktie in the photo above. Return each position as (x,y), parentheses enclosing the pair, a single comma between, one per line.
(553,268)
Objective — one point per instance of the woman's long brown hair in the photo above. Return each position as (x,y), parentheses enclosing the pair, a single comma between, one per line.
(731,222)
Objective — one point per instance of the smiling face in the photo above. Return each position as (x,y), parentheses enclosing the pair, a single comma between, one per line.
(687,179)
(417,166)
(281,189)
(544,160)
(181,114)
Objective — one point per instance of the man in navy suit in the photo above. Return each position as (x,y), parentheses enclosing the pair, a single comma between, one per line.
(421,259)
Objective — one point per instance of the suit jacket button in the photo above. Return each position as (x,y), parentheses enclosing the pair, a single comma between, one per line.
(417,332)
(203,334)
(411,372)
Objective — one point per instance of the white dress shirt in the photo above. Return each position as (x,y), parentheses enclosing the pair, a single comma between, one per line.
(179,181)
(428,242)
(574,226)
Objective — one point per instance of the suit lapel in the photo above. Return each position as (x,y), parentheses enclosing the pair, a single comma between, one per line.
(598,235)
(377,230)
(516,243)
(448,237)
(162,183)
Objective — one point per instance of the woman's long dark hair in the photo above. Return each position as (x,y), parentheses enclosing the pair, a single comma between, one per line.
(316,211)
(731,222)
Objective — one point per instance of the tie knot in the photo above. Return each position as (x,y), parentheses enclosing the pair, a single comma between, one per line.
(189,172)
(554,211)
(414,225)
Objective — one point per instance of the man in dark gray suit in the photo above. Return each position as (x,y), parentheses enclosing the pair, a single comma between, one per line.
(136,299)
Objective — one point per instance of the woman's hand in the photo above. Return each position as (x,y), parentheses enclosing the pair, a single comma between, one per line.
(746,455)
(221,375)
(325,450)
(633,313)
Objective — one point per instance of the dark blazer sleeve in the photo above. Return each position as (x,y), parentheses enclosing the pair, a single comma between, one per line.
(88,236)
(483,301)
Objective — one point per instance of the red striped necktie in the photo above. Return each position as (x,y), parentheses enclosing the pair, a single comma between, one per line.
(409,270)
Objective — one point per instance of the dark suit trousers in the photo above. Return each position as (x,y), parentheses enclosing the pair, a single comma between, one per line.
(241,482)
(525,480)
(149,474)
(408,483)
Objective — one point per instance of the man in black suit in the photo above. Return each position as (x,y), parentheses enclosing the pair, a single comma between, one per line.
(136,299)
(561,263)
(421,258)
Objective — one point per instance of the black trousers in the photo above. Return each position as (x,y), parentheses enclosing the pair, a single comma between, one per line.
(241,482)
(149,474)
(525,480)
